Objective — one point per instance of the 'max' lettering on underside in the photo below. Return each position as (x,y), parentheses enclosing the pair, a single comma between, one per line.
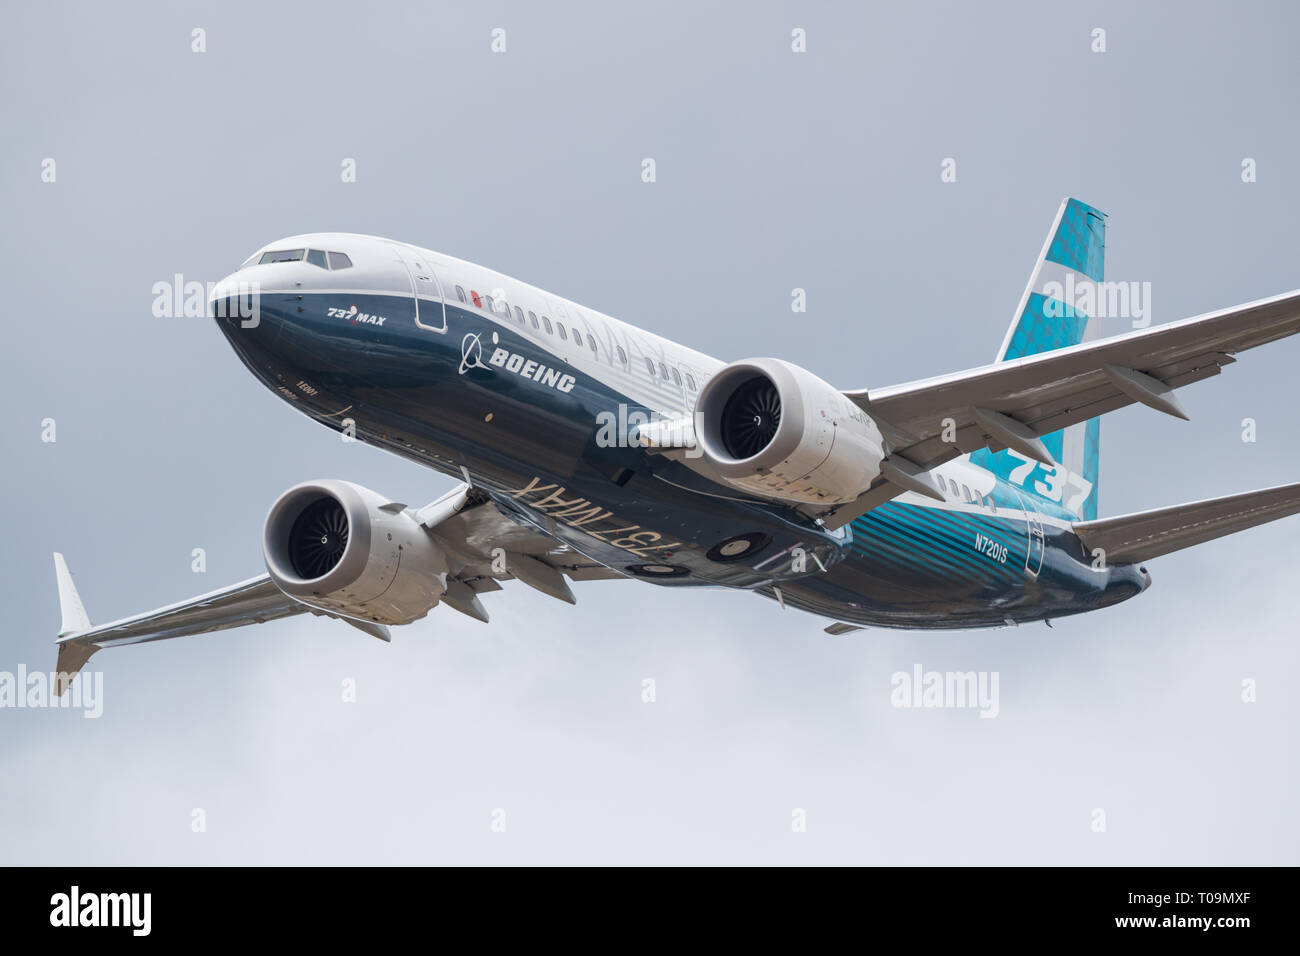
(591,519)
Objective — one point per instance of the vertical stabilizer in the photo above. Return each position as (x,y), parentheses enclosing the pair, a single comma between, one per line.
(1049,318)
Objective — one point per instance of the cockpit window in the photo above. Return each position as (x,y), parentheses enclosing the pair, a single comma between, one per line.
(340,260)
(316,258)
(283,255)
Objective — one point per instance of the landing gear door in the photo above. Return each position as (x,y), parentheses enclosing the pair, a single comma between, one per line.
(1034,545)
(430,306)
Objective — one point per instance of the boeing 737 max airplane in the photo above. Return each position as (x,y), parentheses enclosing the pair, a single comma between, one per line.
(590,449)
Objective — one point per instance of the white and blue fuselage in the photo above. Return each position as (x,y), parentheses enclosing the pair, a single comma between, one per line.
(535,400)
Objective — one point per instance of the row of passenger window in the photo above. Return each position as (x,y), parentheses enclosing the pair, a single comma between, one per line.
(664,370)
(966,495)
(504,308)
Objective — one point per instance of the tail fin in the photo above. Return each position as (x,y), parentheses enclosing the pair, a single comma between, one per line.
(1073,257)
(72,655)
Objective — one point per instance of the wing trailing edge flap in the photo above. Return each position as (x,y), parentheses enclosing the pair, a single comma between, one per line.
(488,546)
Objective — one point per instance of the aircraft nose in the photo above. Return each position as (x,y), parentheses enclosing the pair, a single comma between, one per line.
(223,288)
(235,298)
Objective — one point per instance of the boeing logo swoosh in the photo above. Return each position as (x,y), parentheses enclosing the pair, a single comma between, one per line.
(471,352)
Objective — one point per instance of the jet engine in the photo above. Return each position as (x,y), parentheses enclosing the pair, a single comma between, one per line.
(773,429)
(342,548)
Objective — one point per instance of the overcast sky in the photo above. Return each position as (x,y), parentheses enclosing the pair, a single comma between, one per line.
(775,170)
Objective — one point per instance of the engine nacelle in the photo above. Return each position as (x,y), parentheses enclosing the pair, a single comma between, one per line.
(777,430)
(332,545)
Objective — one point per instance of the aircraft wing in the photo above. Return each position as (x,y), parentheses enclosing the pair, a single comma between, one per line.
(486,546)
(1012,403)
(248,602)
(1129,539)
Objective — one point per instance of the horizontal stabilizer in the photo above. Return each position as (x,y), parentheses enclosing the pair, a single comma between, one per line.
(1149,534)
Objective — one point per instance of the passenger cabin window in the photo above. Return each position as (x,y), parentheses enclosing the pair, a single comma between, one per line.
(478,303)
(650,367)
(317,258)
(966,495)
(460,293)
(547,323)
(622,356)
(283,255)
(577,339)
(340,260)
(492,306)
(532,317)
(690,381)
(663,370)
(591,341)
(519,315)
(677,379)
(953,485)
(560,327)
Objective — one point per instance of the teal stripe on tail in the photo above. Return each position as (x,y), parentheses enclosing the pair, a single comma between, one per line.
(1073,256)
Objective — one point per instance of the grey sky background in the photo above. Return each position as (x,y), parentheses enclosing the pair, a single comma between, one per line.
(775,171)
